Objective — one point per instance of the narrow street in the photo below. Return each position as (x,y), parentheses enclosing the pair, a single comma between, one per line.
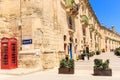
(83,71)
(86,67)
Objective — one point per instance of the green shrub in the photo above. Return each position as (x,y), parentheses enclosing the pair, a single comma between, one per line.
(97,52)
(106,65)
(81,56)
(71,63)
(63,63)
(67,63)
(98,64)
(117,51)
(90,54)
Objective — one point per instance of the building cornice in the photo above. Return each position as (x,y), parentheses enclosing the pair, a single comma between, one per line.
(92,11)
(95,17)
(103,27)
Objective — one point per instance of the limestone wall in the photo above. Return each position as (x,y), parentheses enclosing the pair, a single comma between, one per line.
(29,61)
(46,23)
(43,61)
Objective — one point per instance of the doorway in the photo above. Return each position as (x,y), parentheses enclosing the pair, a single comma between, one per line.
(70,50)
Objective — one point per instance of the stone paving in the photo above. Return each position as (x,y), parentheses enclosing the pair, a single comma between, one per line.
(83,71)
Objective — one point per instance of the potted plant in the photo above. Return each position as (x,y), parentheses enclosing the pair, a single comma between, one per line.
(66,66)
(92,53)
(102,68)
(103,50)
(98,52)
(81,56)
(117,51)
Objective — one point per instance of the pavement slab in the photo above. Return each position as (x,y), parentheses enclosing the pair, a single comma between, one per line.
(83,71)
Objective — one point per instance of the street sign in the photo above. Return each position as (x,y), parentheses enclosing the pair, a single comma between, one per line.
(27,41)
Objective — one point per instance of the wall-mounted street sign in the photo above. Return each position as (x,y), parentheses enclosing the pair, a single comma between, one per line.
(27,41)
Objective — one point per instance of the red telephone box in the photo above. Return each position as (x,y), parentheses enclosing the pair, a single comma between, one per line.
(9,53)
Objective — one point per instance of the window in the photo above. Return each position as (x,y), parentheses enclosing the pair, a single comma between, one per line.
(84,40)
(64,37)
(105,41)
(71,22)
(95,38)
(75,48)
(84,31)
(75,40)
(90,35)
(71,39)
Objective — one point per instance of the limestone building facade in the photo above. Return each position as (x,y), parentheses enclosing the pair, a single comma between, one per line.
(55,28)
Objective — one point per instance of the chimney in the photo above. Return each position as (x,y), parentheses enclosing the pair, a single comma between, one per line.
(113,28)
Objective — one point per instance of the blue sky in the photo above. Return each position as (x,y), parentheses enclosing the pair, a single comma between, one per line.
(107,12)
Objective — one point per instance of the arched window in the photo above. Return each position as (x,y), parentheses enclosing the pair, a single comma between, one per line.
(65,37)
(90,35)
(75,40)
(71,22)
(84,31)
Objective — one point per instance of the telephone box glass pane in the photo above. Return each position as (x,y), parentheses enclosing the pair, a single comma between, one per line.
(13,53)
(5,54)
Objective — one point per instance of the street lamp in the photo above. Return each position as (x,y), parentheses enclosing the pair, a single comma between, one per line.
(86,52)
(20,27)
(20,36)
